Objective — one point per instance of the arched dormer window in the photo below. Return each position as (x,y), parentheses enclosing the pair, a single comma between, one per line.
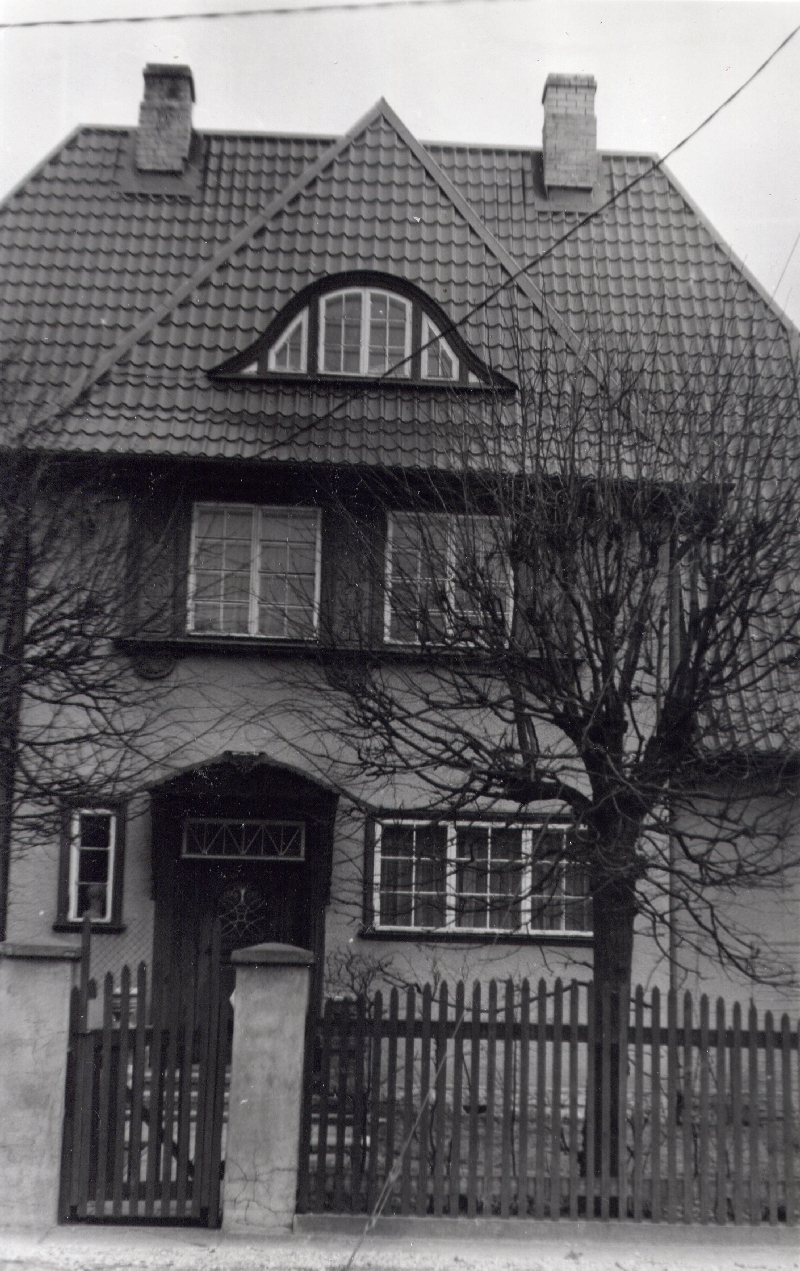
(363,326)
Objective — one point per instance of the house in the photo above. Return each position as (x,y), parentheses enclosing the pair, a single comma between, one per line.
(267,352)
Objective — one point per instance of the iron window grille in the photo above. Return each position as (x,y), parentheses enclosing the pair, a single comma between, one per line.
(484,876)
(254,571)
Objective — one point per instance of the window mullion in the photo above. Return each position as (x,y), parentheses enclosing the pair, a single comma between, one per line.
(527,876)
(255,563)
(451,897)
(365,330)
(376,875)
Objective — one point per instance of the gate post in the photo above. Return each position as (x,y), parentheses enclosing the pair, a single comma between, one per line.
(262,1149)
(35,983)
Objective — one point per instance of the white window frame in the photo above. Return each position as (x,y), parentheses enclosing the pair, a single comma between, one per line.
(430,332)
(401,370)
(450,925)
(255,548)
(75,850)
(286,334)
(452,519)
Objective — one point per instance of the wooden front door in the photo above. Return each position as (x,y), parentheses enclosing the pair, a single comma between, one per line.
(247,849)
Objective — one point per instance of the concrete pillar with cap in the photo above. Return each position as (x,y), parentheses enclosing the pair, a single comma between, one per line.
(262,1148)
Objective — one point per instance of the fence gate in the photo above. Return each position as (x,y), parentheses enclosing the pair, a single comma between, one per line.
(145,1101)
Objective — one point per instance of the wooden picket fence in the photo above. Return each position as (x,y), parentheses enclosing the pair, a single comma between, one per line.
(518,1108)
(145,1104)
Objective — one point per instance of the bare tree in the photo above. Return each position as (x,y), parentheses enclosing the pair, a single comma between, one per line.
(73,719)
(597,605)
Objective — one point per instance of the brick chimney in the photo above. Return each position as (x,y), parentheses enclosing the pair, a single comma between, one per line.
(165,119)
(569,138)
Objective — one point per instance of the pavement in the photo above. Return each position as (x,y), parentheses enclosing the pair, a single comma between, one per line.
(406,1245)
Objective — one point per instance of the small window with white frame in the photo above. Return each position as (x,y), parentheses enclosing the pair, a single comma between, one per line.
(439,362)
(447,578)
(290,353)
(489,877)
(254,571)
(93,864)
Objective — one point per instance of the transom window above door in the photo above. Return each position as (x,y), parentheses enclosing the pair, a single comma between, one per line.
(254,571)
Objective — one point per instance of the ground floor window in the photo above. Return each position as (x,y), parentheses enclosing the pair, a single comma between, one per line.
(91,870)
(492,876)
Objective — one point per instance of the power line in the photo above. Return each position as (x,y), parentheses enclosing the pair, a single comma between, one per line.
(584,220)
(281,11)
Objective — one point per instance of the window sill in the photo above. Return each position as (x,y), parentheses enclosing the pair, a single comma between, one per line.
(97,928)
(177,645)
(317,380)
(434,935)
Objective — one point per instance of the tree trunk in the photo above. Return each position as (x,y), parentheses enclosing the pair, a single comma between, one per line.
(614,908)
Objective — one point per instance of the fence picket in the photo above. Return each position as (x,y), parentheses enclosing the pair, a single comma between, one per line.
(374,1101)
(736,1112)
(103,1100)
(605,1102)
(120,1095)
(752,1113)
(573,1100)
(358,1127)
(137,1093)
(169,1120)
(672,1105)
(655,1106)
(185,1109)
(772,1147)
(622,1105)
(524,1078)
(491,1059)
(638,1102)
(788,1121)
(424,1103)
(705,1064)
(474,1100)
(508,1101)
(439,1127)
(321,1180)
(342,1080)
(688,1107)
(541,1094)
(555,1114)
(591,1101)
(459,1029)
(391,1080)
(721,1119)
(408,1101)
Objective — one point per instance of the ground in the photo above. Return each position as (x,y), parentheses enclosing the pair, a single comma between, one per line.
(85,1248)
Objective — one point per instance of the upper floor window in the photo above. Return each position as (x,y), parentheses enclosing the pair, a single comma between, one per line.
(254,571)
(365,332)
(446,578)
(364,325)
(479,877)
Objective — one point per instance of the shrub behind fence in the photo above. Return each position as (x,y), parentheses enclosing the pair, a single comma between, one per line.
(515,1104)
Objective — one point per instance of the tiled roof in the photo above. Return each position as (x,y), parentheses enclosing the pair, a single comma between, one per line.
(134,298)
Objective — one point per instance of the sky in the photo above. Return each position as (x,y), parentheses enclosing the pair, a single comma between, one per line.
(471,71)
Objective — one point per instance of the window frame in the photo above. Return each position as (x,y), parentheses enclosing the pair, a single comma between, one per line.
(302,321)
(254,600)
(452,518)
(451,928)
(67,917)
(395,370)
(431,334)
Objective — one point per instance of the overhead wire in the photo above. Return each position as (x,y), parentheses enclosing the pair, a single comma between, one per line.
(272,11)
